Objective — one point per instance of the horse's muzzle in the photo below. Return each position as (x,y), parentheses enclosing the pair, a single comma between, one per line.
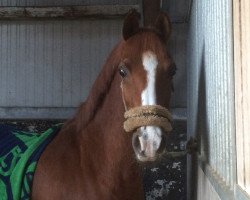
(148,124)
(146,149)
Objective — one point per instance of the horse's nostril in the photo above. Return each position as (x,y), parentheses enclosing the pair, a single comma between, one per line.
(142,152)
(135,141)
(163,144)
(145,136)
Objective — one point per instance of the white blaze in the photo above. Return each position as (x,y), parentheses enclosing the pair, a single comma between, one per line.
(148,97)
(150,63)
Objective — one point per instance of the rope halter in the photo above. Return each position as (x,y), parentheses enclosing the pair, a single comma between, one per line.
(149,115)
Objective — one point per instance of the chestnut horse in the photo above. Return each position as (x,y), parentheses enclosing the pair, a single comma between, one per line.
(92,157)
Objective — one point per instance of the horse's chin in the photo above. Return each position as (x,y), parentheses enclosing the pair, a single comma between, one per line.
(145,159)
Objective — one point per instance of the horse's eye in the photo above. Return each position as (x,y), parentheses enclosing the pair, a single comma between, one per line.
(173,70)
(123,71)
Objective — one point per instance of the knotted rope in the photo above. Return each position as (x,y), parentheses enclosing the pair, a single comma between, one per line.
(149,115)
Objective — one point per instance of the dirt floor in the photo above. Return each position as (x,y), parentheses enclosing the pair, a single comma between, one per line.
(163,180)
(167,179)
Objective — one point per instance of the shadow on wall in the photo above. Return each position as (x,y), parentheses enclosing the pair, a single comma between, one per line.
(201,131)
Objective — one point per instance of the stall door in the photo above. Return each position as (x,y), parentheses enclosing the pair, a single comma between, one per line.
(218,99)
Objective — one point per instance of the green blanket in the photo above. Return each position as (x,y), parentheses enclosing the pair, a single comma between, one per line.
(19,153)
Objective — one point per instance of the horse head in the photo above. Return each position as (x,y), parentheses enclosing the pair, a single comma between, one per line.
(146,70)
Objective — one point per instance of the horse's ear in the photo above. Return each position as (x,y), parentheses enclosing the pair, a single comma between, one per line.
(131,24)
(163,25)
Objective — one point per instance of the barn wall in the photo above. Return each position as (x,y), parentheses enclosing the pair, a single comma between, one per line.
(178,11)
(49,66)
(177,50)
(52,63)
(64,2)
(211,97)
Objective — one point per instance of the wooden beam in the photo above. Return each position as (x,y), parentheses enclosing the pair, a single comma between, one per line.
(151,9)
(241,15)
(65,12)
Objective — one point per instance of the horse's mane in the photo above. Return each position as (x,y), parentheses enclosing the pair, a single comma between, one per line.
(100,88)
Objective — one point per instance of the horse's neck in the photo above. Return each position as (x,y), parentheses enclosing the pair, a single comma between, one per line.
(110,148)
(96,147)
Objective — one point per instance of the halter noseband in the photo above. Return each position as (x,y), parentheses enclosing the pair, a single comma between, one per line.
(149,115)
